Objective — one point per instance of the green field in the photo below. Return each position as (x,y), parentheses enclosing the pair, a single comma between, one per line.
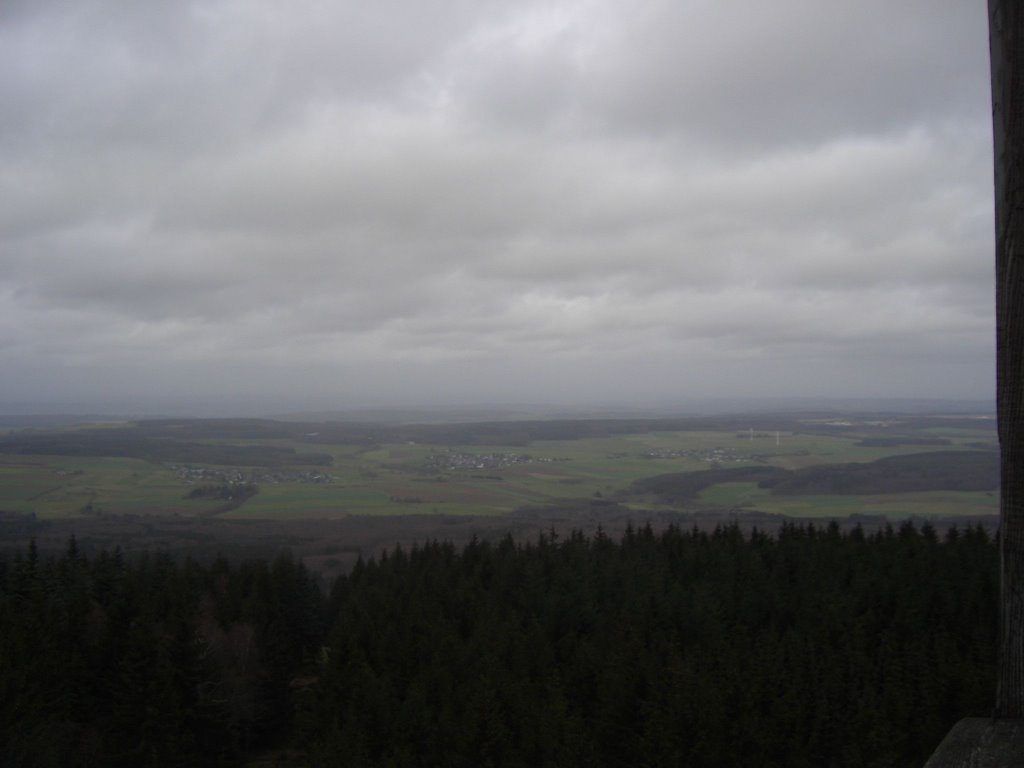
(63,486)
(412,478)
(747,496)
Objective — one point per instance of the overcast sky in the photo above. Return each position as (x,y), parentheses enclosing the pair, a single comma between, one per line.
(336,204)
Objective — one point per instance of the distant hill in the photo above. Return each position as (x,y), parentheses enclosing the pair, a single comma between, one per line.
(39,414)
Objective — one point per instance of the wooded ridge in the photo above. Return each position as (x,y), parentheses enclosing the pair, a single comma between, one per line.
(811,647)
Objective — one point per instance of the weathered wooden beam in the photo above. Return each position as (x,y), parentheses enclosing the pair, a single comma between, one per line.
(1006,47)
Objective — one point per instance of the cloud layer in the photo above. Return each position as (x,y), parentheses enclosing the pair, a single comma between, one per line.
(575,201)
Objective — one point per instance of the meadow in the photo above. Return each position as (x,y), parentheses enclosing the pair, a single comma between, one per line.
(396,475)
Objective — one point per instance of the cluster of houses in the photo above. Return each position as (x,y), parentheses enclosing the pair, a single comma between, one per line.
(455,461)
(190,474)
(714,455)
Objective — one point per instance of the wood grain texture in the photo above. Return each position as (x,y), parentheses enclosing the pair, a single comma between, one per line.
(1006,37)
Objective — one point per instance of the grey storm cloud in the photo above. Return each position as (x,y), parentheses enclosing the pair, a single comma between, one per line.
(553,201)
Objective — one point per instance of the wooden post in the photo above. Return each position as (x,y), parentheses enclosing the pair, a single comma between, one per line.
(1006,43)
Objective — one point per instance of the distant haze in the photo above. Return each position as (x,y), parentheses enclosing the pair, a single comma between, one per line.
(261,207)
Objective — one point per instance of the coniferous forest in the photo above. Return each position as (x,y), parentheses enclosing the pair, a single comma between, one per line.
(809,647)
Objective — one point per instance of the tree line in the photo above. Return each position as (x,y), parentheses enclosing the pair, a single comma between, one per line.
(906,473)
(149,661)
(811,647)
